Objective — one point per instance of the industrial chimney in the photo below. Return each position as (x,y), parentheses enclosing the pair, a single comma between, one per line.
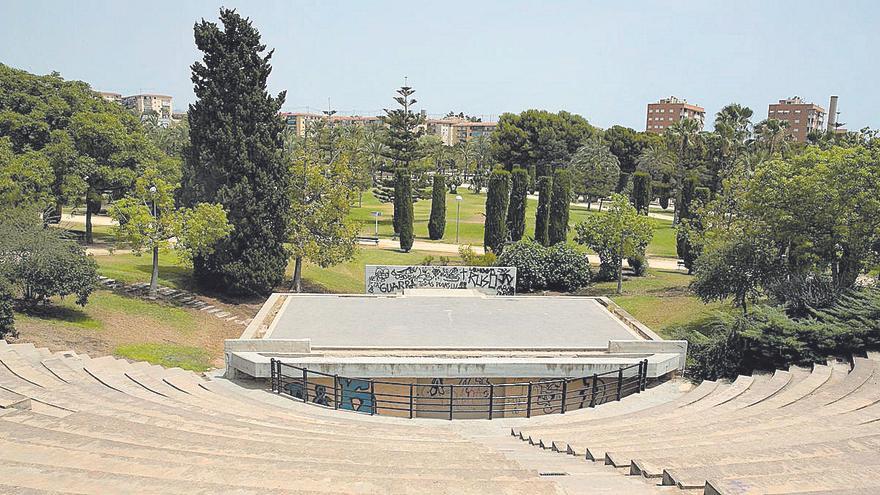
(832,114)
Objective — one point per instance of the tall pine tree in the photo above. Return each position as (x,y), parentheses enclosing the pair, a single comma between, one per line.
(234,157)
(557,230)
(542,217)
(437,222)
(497,198)
(402,148)
(516,211)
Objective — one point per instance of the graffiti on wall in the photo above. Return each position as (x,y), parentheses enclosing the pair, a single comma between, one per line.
(356,395)
(387,279)
(549,396)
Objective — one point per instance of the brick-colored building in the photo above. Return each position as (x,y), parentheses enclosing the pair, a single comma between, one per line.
(453,130)
(300,120)
(670,110)
(802,117)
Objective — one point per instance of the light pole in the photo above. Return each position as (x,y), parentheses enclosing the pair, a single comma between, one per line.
(458,199)
(377,214)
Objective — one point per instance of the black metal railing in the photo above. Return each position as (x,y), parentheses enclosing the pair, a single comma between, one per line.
(470,398)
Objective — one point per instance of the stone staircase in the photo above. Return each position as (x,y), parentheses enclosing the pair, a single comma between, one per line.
(74,424)
(796,431)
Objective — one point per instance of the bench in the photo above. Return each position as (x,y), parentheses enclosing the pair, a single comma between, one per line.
(367,240)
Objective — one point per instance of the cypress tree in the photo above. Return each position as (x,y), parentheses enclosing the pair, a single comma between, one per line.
(519,197)
(542,217)
(403,190)
(497,198)
(437,222)
(560,199)
(234,158)
(686,197)
(641,195)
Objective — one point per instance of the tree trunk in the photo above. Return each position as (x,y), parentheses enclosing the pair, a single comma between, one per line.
(88,222)
(589,203)
(620,267)
(154,278)
(297,274)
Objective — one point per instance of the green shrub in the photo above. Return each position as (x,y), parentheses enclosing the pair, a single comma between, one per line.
(639,264)
(470,258)
(7,317)
(567,268)
(528,258)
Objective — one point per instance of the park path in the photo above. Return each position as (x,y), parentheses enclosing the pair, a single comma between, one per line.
(446,248)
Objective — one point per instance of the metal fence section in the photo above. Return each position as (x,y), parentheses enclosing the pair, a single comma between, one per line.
(478,398)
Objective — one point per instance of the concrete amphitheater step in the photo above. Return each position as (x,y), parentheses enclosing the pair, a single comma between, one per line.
(775,484)
(655,466)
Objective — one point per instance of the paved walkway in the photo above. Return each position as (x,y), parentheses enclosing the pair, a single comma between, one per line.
(445,248)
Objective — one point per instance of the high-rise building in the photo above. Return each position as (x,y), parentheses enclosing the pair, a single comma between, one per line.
(453,130)
(670,110)
(802,117)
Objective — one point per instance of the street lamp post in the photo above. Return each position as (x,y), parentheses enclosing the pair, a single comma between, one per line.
(376,215)
(458,199)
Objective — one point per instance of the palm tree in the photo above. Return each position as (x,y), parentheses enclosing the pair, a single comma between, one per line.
(772,134)
(735,119)
(681,135)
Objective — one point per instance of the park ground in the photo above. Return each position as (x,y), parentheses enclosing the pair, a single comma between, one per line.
(173,335)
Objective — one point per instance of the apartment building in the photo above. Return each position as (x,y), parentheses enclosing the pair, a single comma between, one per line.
(143,103)
(300,121)
(802,117)
(454,130)
(110,96)
(670,110)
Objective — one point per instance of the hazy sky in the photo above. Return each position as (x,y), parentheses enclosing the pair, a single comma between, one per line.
(602,59)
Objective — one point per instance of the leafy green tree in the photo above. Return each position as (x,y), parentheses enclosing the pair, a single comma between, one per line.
(642,193)
(735,267)
(537,138)
(595,170)
(542,216)
(620,233)
(147,220)
(519,198)
(25,179)
(560,201)
(437,221)
(39,262)
(403,196)
(323,186)
(497,200)
(234,158)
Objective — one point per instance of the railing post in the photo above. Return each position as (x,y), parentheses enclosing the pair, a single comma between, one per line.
(305,390)
(564,395)
(280,376)
(529,402)
(619,382)
(645,376)
(373,398)
(335,391)
(410,401)
(639,378)
(595,390)
(272,373)
(491,399)
(451,392)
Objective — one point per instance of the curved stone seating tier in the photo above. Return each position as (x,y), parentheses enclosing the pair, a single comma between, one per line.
(794,431)
(74,424)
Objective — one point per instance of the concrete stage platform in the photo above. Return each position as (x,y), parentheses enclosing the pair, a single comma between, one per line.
(442,333)
(499,322)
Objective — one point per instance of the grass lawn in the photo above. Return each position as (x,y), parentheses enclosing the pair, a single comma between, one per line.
(472,218)
(660,299)
(129,268)
(128,327)
(349,277)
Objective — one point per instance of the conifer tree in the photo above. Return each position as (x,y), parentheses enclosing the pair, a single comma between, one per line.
(402,147)
(403,191)
(234,157)
(516,211)
(437,222)
(542,217)
(557,229)
(497,198)
(641,194)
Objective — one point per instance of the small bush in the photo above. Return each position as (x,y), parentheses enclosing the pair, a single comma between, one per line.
(470,258)
(559,267)
(7,317)
(528,258)
(567,268)
(639,265)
